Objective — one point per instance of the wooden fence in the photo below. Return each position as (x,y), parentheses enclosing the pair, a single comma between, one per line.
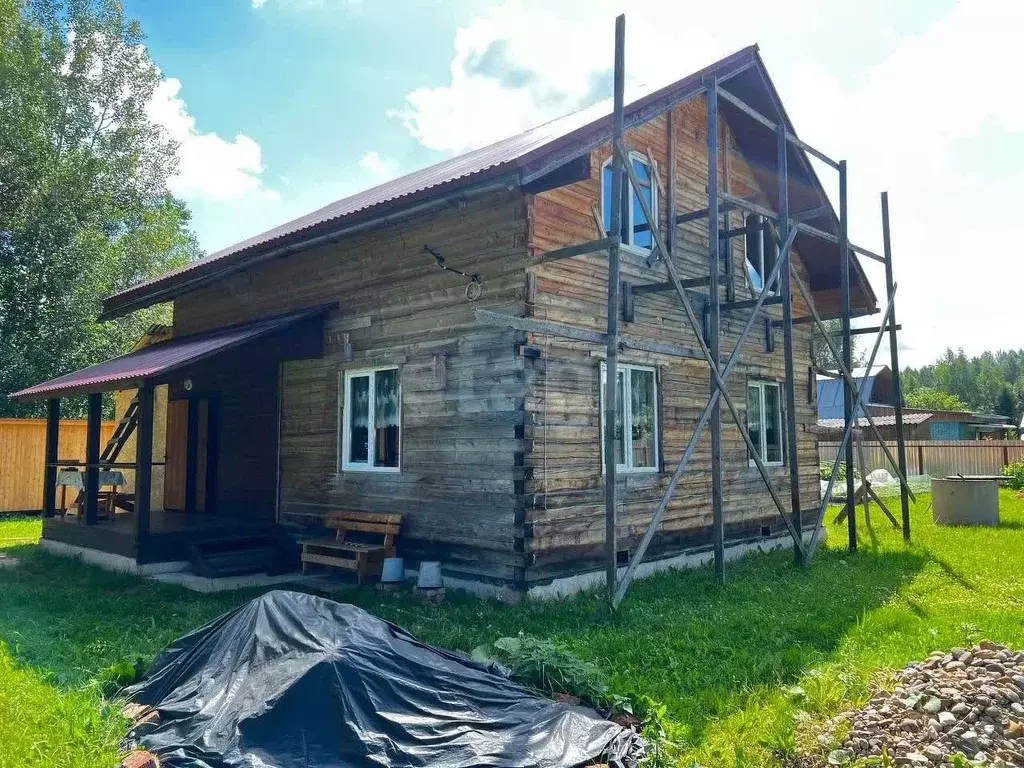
(938,458)
(23,453)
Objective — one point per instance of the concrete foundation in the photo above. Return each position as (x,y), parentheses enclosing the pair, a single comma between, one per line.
(571,585)
(965,502)
(109,561)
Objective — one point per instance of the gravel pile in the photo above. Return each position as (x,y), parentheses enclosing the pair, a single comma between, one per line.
(968,702)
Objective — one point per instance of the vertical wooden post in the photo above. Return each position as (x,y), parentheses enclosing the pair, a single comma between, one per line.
(213,452)
(143,470)
(901,444)
(786,290)
(50,471)
(670,231)
(920,460)
(848,393)
(191,453)
(92,458)
(612,366)
(714,270)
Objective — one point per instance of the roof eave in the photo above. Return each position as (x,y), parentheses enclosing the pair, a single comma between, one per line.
(171,286)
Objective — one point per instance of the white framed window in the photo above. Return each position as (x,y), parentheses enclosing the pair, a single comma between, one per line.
(636,230)
(636,418)
(371,406)
(760,252)
(764,421)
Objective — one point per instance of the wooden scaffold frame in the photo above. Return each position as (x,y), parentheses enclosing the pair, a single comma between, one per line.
(784,226)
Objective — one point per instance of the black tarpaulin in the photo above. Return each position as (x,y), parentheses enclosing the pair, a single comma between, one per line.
(290,680)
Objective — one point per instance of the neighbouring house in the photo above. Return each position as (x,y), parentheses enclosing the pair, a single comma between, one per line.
(880,402)
(950,425)
(341,361)
(916,426)
(875,383)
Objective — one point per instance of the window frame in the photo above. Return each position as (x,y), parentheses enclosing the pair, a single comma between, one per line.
(345,406)
(761,385)
(627,419)
(651,170)
(760,267)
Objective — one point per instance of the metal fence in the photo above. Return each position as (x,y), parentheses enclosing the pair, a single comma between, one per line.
(939,458)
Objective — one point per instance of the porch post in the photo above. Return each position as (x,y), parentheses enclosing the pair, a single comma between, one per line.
(191,454)
(143,467)
(50,471)
(92,458)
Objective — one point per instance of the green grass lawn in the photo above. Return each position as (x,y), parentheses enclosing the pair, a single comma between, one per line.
(723,661)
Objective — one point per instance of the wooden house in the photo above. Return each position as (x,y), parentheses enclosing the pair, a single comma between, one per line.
(390,352)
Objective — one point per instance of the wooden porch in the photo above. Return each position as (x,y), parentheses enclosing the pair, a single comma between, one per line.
(219,488)
(170,537)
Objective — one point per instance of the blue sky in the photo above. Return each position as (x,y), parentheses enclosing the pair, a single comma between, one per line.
(284,105)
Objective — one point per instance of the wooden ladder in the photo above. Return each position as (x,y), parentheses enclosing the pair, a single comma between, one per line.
(122,432)
(114,445)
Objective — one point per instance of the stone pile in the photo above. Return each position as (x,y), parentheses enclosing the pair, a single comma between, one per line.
(968,702)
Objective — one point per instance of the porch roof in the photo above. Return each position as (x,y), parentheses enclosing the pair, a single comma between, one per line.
(158,360)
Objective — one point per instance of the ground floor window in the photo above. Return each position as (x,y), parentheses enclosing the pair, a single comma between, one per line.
(636,418)
(372,409)
(764,420)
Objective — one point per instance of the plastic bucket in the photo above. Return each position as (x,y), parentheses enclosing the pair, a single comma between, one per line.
(394,571)
(430,575)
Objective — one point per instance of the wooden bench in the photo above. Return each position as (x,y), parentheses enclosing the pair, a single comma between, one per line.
(363,557)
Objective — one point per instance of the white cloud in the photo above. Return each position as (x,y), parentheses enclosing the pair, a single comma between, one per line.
(379,166)
(209,166)
(930,116)
(500,85)
(938,135)
(313,4)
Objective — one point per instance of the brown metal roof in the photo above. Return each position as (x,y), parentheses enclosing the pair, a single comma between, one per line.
(158,359)
(524,157)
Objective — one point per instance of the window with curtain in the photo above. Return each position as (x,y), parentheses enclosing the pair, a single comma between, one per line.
(764,421)
(636,230)
(371,422)
(636,418)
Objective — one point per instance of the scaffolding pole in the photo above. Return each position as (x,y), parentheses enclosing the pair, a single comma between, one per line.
(612,341)
(714,342)
(901,445)
(848,388)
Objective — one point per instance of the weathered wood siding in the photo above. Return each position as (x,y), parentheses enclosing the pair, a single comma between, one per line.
(462,384)
(564,506)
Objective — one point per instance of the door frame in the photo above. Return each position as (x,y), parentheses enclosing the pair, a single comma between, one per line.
(193,431)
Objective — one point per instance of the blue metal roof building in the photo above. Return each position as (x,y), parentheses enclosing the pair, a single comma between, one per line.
(876,383)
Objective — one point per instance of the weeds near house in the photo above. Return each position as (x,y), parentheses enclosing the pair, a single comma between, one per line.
(546,666)
(1015,472)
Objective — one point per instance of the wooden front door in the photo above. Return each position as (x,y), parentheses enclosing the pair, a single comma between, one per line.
(188,461)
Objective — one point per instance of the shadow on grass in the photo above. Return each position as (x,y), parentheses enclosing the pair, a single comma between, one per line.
(679,638)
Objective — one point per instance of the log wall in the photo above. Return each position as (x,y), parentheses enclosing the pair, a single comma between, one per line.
(501,463)
(564,513)
(462,384)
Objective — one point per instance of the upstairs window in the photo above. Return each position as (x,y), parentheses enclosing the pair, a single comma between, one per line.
(372,411)
(636,423)
(636,230)
(761,253)
(764,421)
